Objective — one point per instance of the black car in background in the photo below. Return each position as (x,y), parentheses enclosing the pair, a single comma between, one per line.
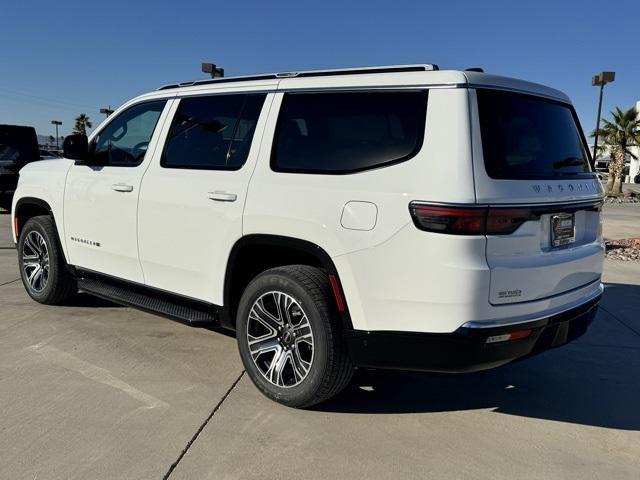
(18,146)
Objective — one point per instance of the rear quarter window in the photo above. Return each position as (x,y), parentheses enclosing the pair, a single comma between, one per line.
(347,132)
(528,137)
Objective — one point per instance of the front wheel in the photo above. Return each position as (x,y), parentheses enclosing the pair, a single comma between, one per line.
(290,338)
(42,264)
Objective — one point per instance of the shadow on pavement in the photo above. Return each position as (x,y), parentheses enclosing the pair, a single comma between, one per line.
(623,301)
(593,381)
(86,300)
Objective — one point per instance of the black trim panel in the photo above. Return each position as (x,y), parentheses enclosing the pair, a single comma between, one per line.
(33,201)
(466,350)
(40,203)
(570,207)
(256,240)
(177,307)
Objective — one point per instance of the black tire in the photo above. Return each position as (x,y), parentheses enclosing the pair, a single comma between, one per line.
(330,367)
(60,284)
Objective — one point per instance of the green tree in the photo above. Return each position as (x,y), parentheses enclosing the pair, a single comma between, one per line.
(82,123)
(619,135)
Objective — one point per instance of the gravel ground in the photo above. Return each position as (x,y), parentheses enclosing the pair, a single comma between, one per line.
(627,249)
(623,199)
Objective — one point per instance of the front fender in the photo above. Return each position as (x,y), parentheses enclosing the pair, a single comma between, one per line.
(42,183)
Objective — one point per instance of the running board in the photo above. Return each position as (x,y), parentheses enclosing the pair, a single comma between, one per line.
(178,308)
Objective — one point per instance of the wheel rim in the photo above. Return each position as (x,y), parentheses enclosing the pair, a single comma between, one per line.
(35,261)
(280,339)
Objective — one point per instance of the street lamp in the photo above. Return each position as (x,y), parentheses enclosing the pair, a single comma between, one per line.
(56,123)
(600,80)
(106,111)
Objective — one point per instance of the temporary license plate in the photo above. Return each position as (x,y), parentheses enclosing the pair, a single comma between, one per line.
(563,229)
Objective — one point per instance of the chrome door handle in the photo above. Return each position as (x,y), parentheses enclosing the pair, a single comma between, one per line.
(222,196)
(122,187)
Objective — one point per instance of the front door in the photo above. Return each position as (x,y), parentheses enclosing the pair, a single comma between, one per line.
(101,199)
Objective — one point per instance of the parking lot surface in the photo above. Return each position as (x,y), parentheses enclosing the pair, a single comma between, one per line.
(621,221)
(94,390)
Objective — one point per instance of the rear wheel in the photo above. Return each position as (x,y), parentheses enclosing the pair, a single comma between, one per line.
(290,338)
(42,265)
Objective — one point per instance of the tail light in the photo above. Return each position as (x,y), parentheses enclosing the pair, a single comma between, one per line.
(468,220)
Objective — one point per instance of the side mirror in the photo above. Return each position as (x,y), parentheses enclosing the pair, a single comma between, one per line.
(76,147)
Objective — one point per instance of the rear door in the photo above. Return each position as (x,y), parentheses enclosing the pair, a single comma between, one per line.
(191,202)
(531,167)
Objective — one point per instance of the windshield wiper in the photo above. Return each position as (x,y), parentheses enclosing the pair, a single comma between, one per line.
(569,162)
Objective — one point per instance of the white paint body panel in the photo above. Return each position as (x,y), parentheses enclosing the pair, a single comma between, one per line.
(524,266)
(526,263)
(310,207)
(44,180)
(101,224)
(359,216)
(185,237)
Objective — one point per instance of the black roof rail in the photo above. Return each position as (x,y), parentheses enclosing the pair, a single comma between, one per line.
(309,73)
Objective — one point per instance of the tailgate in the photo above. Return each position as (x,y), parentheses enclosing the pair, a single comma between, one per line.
(531,165)
(526,265)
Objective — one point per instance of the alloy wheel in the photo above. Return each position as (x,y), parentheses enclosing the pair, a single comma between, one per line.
(280,339)
(35,261)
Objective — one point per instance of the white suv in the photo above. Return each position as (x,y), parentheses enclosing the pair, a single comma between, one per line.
(389,217)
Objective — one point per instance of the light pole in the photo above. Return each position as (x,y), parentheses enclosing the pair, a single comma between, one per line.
(600,80)
(106,111)
(56,123)
(213,70)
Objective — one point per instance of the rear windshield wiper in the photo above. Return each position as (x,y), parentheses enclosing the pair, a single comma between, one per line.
(569,162)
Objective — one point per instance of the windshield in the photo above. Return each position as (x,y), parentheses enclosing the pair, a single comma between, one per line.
(525,137)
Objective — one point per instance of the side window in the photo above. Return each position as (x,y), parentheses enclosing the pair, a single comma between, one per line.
(124,141)
(212,132)
(338,132)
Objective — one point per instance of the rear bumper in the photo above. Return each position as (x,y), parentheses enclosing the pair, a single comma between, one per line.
(466,349)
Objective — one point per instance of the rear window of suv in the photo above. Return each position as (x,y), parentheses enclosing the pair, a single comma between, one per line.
(528,137)
(347,132)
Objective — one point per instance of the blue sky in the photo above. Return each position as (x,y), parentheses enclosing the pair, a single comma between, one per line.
(58,59)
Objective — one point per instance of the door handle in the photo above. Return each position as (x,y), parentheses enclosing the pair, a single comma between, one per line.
(219,196)
(122,187)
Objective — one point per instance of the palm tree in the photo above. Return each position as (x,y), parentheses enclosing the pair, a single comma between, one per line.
(82,123)
(619,135)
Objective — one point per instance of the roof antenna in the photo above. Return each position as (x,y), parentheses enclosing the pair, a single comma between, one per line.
(212,70)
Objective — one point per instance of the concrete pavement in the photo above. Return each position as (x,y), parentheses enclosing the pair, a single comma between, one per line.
(569,413)
(94,390)
(622,220)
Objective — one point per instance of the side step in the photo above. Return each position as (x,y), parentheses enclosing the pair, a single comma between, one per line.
(182,309)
